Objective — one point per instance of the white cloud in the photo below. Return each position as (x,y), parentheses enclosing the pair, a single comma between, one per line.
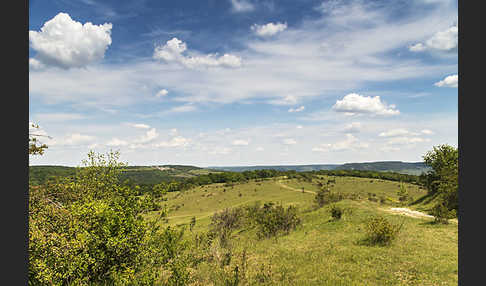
(353,127)
(35,64)
(65,43)
(240,142)
(350,143)
(298,109)
(289,141)
(259,149)
(406,140)
(115,142)
(443,40)
(394,132)
(162,92)
(173,49)
(299,127)
(242,6)
(149,136)
(281,71)
(74,139)
(354,103)
(177,141)
(427,132)
(139,125)
(419,47)
(173,131)
(182,108)
(269,29)
(449,81)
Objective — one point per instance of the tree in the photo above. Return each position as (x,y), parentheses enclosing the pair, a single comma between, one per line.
(443,179)
(35,146)
(89,230)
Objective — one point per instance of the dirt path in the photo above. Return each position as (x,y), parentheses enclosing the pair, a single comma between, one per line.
(412,213)
(402,211)
(293,189)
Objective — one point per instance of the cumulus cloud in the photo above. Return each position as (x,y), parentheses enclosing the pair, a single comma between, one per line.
(35,64)
(298,109)
(269,29)
(354,103)
(74,139)
(239,6)
(350,143)
(443,40)
(65,43)
(162,92)
(449,81)
(177,141)
(148,136)
(396,132)
(173,51)
(353,127)
(240,142)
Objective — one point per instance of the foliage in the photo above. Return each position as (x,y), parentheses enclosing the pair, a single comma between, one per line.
(224,222)
(403,194)
(89,229)
(35,146)
(325,196)
(380,231)
(336,212)
(443,179)
(272,219)
(442,214)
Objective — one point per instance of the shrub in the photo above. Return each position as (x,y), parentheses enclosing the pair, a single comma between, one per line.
(325,196)
(336,212)
(271,219)
(442,214)
(89,230)
(224,222)
(380,231)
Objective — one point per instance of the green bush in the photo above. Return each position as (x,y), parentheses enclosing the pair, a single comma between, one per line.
(89,230)
(336,212)
(325,196)
(272,219)
(442,214)
(379,231)
(224,222)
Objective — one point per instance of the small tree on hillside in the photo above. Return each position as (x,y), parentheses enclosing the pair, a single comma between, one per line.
(443,179)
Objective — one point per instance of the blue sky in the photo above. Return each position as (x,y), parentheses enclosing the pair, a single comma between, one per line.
(225,83)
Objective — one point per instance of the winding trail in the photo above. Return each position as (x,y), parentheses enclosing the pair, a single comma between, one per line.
(293,189)
(401,211)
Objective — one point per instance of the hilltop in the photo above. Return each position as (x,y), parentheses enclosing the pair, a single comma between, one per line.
(411,168)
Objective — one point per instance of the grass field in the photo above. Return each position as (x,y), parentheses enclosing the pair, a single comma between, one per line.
(322,251)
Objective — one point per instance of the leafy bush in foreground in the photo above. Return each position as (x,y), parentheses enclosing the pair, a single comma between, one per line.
(89,230)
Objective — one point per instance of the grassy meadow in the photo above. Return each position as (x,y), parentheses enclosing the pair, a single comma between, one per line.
(321,250)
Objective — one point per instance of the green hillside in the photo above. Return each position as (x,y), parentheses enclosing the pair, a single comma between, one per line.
(142,175)
(320,251)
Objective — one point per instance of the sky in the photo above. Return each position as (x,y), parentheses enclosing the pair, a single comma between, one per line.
(241,82)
